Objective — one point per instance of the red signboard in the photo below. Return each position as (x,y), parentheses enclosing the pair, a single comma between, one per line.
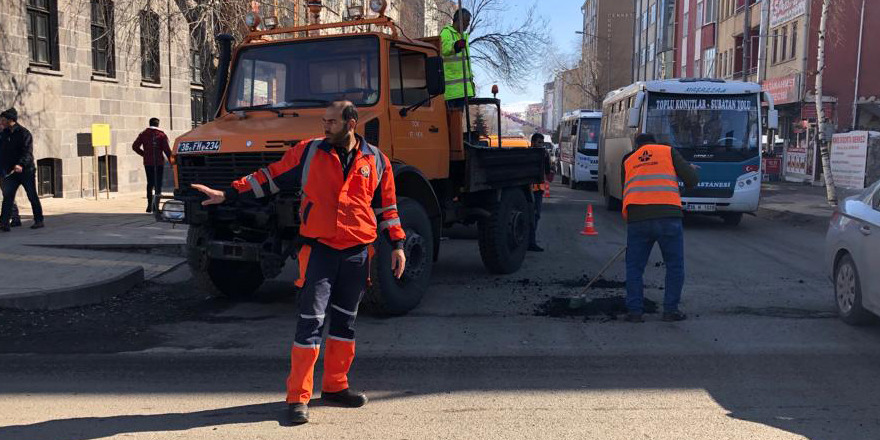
(784,90)
(772,168)
(808,110)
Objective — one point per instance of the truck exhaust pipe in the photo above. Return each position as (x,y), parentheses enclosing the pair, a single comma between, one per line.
(224,43)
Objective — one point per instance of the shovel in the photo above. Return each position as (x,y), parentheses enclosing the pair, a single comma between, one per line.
(579,301)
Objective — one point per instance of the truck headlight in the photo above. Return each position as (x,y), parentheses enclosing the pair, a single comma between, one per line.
(173,211)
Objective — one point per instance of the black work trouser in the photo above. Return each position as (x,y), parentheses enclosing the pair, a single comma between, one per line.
(16,218)
(154,181)
(28,180)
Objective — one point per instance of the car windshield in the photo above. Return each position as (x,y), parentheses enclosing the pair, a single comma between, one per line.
(306,74)
(589,134)
(719,124)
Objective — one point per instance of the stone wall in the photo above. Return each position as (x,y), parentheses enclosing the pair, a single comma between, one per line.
(57,105)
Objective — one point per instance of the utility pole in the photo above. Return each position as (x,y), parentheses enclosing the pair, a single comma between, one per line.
(830,190)
(746,40)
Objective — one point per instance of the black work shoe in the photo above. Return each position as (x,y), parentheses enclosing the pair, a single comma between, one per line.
(346,397)
(635,317)
(298,413)
(674,316)
(535,248)
(37,225)
(4,228)
(15,222)
(149,209)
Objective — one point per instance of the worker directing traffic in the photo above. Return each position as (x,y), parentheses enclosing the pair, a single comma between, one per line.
(348,194)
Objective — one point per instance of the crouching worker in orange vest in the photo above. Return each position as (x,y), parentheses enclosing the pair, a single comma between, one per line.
(348,187)
(652,210)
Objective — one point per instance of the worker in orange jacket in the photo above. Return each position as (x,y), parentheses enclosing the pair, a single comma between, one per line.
(347,186)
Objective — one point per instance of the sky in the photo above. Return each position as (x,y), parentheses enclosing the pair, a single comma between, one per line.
(564,18)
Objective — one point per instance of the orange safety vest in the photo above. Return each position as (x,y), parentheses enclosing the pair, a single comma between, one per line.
(650,178)
(338,211)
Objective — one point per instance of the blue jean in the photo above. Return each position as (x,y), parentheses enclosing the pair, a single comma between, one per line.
(640,239)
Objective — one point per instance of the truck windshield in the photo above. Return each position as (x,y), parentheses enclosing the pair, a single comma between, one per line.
(719,125)
(306,74)
(589,135)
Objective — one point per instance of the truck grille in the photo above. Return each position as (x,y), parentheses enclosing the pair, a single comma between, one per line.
(219,170)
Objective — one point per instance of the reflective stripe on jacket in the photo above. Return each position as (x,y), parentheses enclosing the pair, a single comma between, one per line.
(339,211)
(456,78)
(650,178)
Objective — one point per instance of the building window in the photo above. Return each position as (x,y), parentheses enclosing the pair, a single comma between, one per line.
(102,38)
(709,62)
(711,6)
(684,56)
(685,25)
(149,46)
(197,58)
(198,107)
(775,43)
(653,18)
(793,39)
(699,17)
(784,43)
(42,29)
(651,52)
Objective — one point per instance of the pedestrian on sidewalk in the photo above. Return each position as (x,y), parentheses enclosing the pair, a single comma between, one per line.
(652,210)
(16,218)
(19,169)
(538,190)
(152,144)
(347,186)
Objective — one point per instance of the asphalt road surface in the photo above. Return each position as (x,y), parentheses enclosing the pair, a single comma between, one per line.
(761,357)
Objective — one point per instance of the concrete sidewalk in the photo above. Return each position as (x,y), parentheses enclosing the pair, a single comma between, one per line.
(798,202)
(89,250)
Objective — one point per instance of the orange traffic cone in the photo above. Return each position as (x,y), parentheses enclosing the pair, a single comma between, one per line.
(588,223)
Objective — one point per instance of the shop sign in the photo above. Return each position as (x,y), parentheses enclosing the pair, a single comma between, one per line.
(849,152)
(783,90)
(782,11)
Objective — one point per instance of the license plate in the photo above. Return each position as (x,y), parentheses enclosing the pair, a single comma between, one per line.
(198,146)
(700,207)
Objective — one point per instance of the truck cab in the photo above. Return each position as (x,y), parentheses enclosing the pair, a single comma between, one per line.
(279,81)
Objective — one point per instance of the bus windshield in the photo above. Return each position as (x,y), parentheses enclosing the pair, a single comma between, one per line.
(306,74)
(706,126)
(589,135)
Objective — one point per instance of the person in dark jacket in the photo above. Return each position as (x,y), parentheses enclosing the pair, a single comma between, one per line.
(538,190)
(151,144)
(16,219)
(652,209)
(17,157)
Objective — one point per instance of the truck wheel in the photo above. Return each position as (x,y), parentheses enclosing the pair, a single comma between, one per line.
(504,235)
(388,295)
(219,278)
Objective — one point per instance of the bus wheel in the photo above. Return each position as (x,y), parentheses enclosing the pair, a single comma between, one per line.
(389,295)
(219,278)
(504,235)
(732,219)
(611,203)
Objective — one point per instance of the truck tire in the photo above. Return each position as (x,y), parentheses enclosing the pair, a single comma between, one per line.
(504,235)
(388,295)
(732,219)
(219,278)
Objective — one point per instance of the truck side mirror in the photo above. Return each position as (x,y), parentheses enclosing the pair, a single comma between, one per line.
(633,117)
(435,76)
(773,119)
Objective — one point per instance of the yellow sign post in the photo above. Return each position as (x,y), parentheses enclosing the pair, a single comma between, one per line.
(101,138)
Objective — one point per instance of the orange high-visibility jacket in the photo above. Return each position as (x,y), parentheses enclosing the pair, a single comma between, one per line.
(338,211)
(650,178)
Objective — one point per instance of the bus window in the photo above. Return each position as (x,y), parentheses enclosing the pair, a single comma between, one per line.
(574,129)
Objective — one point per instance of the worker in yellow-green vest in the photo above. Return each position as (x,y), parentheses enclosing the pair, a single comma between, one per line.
(459,76)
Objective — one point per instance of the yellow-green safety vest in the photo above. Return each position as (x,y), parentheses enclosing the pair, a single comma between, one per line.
(456,78)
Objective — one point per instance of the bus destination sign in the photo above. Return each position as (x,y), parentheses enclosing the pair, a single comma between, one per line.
(739,105)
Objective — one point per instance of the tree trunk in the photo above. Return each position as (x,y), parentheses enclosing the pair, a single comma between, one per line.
(830,190)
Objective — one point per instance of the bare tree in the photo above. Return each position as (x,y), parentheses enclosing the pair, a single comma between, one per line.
(830,190)
(512,52)
(588,78)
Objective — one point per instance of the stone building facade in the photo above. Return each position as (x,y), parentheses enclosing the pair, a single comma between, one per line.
(68,64)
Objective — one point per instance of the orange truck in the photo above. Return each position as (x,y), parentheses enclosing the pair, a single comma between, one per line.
(272,91)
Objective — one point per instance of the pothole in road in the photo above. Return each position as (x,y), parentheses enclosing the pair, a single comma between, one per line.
(607,306)
(601,283)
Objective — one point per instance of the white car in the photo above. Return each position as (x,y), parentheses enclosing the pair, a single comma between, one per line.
(852,255)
